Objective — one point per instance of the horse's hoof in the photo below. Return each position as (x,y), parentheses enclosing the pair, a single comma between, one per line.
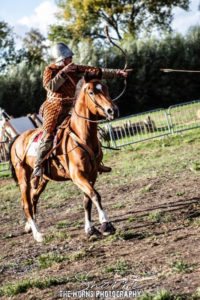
(27,227)
(107,228)
(93,231)
(38,237)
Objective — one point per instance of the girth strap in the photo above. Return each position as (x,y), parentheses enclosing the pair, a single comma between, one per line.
(83,145)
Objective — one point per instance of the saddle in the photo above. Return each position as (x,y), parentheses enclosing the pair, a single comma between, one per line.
(34,139)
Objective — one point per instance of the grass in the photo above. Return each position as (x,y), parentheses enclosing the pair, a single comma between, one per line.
(131,219)
(182,267)
(144,161)
(5,170)
(56,235)
(78,256)
(23,286)
(141,160)
(156,216)
(63,224)
(146,189)
(118,205)
(121,267)
(48,259)
(160,295)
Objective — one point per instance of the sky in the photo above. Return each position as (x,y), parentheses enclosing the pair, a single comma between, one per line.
(23,15)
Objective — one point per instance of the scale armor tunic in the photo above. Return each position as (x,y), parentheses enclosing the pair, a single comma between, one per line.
(60,100)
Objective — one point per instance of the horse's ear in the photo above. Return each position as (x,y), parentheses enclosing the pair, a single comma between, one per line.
(92,74)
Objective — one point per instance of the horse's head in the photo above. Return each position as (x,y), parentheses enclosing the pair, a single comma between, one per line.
(97,96)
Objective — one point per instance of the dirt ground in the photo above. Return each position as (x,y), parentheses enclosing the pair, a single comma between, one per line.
(156,245)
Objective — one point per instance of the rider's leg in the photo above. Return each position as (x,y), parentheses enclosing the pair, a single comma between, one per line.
(51,112)
(45,146)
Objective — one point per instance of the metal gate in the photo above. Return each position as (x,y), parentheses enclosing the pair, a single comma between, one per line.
(151,124)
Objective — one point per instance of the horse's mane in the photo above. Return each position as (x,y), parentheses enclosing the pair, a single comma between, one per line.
(88,76)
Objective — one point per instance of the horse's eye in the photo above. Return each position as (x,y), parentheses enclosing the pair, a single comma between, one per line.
(91,93)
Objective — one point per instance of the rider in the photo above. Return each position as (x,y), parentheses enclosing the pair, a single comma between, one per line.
(60,79)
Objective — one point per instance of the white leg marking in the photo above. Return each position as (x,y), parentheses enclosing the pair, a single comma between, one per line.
(36,234)
(102,216)
(27,227)
(88,224)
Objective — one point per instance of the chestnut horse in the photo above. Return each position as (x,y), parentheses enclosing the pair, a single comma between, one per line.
(78,152)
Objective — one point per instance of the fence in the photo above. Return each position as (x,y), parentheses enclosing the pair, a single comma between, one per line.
(139,127)
(4,165)
(150,125)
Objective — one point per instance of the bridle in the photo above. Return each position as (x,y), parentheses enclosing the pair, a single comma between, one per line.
(95,103)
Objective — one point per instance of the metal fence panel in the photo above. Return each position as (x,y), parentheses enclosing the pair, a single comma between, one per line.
(136,128)
(139,127)
(184,116)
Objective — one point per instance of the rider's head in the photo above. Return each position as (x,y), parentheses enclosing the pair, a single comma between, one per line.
(62,53)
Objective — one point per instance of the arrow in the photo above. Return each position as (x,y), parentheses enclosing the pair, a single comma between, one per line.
(182,71)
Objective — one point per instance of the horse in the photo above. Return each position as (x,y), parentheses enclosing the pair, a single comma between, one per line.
(78,152)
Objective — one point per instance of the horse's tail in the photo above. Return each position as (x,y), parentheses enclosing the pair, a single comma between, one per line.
(10,161)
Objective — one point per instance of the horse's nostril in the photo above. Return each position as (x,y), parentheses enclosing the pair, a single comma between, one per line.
(109,111)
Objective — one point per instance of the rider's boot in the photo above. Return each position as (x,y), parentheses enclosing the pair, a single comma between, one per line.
(45,146)
(104,169)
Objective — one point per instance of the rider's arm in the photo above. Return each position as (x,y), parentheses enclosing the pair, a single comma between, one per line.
(106,73)
(51,82)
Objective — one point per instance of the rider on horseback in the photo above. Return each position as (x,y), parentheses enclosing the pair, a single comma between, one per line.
(60,80)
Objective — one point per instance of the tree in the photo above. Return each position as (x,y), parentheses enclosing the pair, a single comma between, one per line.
(21,89)
(87,18)
(7,46)
(34,46)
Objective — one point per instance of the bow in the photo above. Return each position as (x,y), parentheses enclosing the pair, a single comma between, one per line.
(125,66)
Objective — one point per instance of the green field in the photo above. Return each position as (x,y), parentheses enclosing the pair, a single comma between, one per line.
(152,197)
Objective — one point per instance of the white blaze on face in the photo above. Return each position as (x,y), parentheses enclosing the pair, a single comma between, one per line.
(99,87)
(85,86)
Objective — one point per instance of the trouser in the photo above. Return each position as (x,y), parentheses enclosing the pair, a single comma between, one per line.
(45,146)
(53,115)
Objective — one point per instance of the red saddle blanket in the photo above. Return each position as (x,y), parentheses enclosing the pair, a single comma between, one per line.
(34,139)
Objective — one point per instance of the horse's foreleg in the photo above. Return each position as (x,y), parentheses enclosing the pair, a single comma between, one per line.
(83,183)
(89,228)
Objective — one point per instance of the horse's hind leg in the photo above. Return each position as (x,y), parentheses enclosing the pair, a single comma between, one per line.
(31,224)
(35,194)
(23,177)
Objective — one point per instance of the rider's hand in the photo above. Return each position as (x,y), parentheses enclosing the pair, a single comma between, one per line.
(69,68)
(122,74)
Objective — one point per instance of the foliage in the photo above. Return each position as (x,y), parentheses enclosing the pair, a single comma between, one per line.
(21,89)
(7,45)
(147,87)
(86,18)
(34,46)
